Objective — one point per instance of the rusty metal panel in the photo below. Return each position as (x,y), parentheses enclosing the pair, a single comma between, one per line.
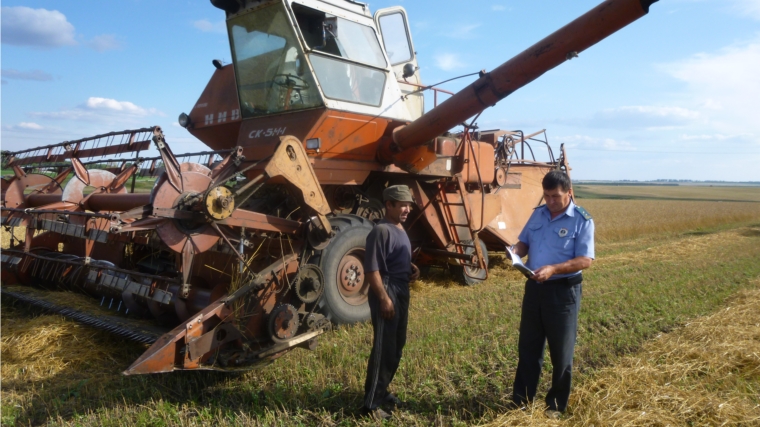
(261,135)
(343,172)
(349,136)
(483,162)
(492,208)
(416,159)
(215,119)
(516,202)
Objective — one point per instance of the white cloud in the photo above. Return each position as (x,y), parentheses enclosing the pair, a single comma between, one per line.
(749,8)
(37,75)
(96,103)
(29,125)
(40,28)
(98,109)
(104,42)
(448,61)
(210,27)
(723,87)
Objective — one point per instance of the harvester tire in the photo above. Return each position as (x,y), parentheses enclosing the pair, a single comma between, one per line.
(472,276)
(344,299)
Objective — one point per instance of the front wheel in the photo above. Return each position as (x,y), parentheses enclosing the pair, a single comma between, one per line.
(342,262)
(473,275)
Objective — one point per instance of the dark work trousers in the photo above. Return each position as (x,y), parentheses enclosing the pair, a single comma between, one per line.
(549,314)
(388,342)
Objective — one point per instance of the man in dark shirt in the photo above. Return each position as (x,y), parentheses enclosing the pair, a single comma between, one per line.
(389,269)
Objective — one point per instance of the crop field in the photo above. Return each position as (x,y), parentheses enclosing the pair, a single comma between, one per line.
(669,335)
(670,192)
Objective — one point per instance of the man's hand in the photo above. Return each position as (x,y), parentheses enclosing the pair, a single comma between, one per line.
(387,311)
(415,274)
(543,274)
(519,248)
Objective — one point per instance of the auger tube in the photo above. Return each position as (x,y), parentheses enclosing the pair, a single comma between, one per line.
(565,43)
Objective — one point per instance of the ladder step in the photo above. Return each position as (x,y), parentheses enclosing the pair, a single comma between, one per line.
(458,225)
(453,203)
(464,244)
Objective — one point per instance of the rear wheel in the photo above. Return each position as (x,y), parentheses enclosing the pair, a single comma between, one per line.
(342,262)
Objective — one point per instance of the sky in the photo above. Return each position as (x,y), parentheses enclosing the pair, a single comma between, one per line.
(675,95)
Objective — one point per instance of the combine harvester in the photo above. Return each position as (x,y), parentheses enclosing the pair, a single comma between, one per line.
(242,253)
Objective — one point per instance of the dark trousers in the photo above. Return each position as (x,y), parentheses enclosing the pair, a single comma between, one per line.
(549,314)
(388,342)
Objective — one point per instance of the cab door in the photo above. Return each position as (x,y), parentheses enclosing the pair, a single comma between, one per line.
(393,25)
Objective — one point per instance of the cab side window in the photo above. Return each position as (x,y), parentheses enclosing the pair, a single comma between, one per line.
(396,38)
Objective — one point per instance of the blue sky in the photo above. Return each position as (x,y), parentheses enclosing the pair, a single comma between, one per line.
(674,95)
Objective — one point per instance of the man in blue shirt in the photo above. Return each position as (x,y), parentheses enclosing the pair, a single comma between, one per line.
(559,242)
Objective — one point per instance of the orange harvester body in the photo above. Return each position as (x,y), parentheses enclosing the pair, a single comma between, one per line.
(239,254)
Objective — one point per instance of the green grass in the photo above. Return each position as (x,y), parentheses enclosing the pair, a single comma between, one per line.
(460,358)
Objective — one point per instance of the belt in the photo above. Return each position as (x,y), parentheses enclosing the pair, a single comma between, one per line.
(569,281)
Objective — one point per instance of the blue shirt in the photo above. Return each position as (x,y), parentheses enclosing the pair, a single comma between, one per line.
(554,241)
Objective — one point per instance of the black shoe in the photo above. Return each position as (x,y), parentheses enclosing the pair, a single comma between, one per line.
(377,413)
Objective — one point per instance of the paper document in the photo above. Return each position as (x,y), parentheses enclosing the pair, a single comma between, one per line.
(518,264)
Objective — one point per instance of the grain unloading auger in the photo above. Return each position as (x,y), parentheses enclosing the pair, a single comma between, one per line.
(254,248)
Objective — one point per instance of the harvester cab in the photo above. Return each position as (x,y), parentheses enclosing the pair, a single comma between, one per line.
(231,257)
(297,55)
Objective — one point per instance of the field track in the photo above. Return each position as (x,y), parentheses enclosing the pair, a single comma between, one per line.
(670,327)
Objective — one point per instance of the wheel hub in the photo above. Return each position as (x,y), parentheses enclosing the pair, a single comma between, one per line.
(175,233)
(352,278)
(219,203)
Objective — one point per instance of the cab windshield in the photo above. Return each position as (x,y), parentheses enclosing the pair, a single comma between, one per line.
(272,76)
(338,48)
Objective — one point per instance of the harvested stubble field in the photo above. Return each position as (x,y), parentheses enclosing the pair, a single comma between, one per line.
(669,335)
